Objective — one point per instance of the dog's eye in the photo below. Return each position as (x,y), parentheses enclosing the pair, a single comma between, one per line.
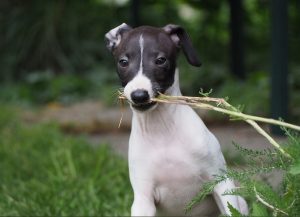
(160,61)
(123,63)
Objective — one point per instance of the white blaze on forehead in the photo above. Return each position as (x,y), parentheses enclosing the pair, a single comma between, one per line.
(141,43)
(140,81)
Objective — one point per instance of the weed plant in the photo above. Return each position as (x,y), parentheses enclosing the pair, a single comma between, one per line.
(263,199)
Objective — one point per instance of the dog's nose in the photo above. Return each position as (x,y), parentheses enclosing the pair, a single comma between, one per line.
(140,96)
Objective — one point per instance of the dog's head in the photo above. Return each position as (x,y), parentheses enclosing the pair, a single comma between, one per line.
(146,59)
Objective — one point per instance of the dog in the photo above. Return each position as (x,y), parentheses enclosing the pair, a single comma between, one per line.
(171,151)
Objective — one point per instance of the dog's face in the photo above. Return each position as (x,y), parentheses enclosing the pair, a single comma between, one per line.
(146,60)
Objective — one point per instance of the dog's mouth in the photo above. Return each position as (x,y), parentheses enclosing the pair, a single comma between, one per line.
(144,106)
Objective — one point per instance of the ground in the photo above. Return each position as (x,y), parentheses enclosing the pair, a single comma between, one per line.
(101,125)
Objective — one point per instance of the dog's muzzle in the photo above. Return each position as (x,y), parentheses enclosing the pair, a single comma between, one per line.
(141,100)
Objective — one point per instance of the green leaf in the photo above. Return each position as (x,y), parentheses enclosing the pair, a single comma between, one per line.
(207,188)
(233,211)
(295,169)
(205,94)
(258,210)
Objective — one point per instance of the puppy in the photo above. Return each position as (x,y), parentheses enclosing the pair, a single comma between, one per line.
(171,151)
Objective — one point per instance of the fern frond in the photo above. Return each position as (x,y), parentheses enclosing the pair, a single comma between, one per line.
(267,158)
(233,211)
(206,189)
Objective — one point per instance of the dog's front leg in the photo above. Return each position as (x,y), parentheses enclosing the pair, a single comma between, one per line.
(143,206)
(222,200)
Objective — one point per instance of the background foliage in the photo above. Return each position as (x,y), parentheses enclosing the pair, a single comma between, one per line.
(53,51)
(56,40)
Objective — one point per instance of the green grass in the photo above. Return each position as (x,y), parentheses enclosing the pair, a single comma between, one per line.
(43,172)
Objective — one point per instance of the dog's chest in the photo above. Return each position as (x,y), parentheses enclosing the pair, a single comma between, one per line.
(166,149)
(174,162)
(172,167)
(173,157)
(176,172)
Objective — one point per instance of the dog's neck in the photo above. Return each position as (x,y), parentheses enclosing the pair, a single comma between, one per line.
(174,90)
(159,119)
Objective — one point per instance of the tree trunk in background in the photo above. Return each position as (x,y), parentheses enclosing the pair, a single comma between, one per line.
(134,13)
(279,58)
(237,38)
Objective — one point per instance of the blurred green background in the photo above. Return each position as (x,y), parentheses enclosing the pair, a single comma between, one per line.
(53,50)
(52,54)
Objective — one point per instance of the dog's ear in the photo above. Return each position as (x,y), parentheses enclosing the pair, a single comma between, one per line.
(180,37)
(114,36)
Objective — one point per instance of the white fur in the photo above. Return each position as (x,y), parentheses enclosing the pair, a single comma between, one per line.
(140,81)
(113,37)
(171,154)
(141,43)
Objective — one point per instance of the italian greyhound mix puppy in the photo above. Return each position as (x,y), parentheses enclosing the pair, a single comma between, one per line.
(171,152)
